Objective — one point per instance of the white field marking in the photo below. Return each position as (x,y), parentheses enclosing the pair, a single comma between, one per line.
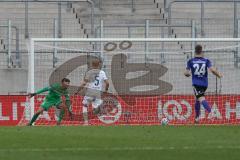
(115,149)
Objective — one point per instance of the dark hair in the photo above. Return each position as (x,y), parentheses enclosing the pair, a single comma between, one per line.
(198,49)
(65,80)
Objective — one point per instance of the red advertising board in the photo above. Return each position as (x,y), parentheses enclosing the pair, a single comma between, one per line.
(179,109)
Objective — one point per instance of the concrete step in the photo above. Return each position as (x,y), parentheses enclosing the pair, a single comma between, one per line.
(33,10)
(125,11)
(33,5)
(127,2)
(34,15)
(38,9)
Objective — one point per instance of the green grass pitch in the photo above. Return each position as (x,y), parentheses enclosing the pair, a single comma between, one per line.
(120,143)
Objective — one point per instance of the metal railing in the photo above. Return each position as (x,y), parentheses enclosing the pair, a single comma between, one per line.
(57,25)
(99,32)
(59,3)
(236,23)
(168,8)
(9,28)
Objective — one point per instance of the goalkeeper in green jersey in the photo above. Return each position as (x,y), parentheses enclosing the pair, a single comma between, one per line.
(53,98)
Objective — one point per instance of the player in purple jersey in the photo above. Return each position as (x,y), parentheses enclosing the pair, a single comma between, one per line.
(198,68)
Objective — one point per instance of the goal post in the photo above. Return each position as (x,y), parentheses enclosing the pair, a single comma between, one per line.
(31,85)
(146,83)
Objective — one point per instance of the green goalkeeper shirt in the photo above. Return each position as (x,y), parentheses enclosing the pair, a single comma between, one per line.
(55,91)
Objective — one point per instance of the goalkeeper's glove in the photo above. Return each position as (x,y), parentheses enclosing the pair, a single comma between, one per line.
(70,112)
(31,95)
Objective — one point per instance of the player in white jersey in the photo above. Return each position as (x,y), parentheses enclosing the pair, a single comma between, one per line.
(94,82)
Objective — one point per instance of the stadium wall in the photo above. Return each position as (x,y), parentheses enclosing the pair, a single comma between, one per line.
(14,81)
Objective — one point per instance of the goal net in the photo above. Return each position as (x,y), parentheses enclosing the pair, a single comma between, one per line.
(146,79)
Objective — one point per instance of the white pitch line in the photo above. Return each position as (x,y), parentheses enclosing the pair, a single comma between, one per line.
(113,149)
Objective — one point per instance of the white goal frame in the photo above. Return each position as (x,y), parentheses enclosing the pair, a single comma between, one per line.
(32,42)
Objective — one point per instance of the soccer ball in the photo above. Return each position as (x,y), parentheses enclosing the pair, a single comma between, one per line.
(164,121)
